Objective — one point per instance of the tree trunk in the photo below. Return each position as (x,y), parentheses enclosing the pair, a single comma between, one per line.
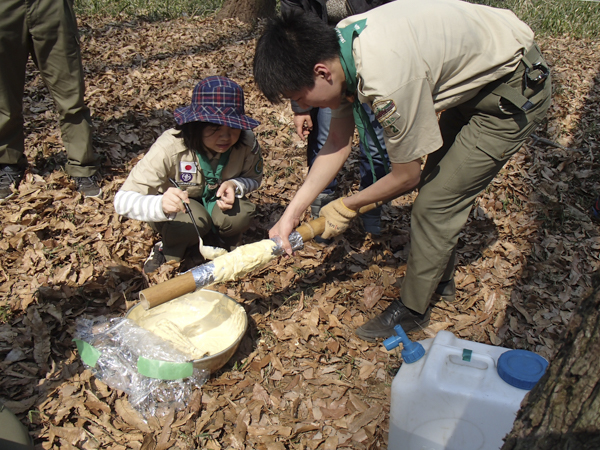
(247,10)
(563,410)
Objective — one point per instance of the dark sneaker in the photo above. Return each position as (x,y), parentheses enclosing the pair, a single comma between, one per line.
(10,177)
(446,291)
(382,326)
(371,221)
(156,258)
(88,186)
(595,210)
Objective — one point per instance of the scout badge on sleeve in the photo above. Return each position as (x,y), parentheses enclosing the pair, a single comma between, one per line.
(387,115)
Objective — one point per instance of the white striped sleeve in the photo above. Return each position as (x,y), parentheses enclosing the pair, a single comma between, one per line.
(147,208)
(245,186)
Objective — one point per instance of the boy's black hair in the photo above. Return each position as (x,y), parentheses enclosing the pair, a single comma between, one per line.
(191,133)
(286,53)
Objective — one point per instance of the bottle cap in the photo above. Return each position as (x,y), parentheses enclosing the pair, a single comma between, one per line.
(521,368)
(411,351)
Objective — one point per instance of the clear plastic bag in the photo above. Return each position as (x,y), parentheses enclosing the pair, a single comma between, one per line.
(122,354)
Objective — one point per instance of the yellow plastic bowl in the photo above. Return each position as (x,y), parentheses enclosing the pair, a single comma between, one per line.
(213,362)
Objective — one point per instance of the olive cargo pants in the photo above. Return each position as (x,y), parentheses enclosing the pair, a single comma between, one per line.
(13,434)
(479,137)
(179,233)
(46,29)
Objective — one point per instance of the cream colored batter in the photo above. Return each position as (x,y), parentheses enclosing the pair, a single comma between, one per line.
(198,324)
(242,260)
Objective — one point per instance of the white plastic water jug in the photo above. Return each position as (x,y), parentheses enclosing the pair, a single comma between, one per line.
(459,395)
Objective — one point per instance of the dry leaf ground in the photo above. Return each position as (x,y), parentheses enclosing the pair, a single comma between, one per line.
(300,379)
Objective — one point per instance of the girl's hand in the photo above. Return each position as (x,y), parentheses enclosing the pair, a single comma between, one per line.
(226,195)
(172,201)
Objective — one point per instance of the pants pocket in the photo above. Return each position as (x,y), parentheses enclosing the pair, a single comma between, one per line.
(474,160)
(498,148)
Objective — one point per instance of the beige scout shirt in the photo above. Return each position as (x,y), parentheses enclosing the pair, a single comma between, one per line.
(169,158)
(416,58)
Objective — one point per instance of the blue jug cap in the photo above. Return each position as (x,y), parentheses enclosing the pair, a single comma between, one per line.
(521,368)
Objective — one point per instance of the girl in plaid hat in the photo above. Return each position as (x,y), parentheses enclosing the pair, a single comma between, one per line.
(209,162)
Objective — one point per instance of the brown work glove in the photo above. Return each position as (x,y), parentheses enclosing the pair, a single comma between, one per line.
(337,218)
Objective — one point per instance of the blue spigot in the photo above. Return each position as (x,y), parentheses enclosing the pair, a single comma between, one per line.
(411,351)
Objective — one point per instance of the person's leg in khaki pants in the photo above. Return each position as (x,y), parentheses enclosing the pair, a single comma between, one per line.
(46,29)
(14,52)
(479,138)
(179,234)
(13,434)
(232,223)
(486,139)
(56,51)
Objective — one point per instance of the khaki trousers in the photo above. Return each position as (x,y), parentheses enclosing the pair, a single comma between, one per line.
(46,30)
(479,137)
(179,233)
(13,434)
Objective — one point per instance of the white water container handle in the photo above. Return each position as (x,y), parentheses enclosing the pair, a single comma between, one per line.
(434,366)
(476,363)
(472,359)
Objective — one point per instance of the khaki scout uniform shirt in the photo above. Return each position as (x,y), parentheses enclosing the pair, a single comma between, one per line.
(415,59)
(169,158)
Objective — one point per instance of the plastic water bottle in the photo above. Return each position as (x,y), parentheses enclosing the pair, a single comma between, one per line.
(457,394)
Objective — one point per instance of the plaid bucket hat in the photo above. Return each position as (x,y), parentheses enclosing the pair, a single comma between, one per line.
(217,100)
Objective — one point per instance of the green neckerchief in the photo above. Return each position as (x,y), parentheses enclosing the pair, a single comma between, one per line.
(346,36)
(212,178)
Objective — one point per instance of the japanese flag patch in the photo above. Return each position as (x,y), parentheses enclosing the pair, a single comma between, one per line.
(187,167)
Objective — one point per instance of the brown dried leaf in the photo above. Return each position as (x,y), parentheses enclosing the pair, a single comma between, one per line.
(365,418)
(131,416)
(372,295)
